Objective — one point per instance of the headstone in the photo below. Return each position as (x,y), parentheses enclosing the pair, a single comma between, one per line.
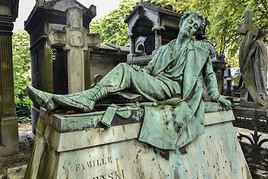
(8,123)
(69,146)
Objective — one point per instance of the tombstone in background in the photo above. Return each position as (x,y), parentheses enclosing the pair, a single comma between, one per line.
(75,40)
(149,27)
(8,124)
(59,36)
(56,35)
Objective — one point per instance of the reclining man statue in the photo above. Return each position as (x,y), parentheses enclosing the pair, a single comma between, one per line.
(177,71)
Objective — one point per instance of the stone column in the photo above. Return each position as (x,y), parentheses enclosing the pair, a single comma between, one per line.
(76,47)
(8,123)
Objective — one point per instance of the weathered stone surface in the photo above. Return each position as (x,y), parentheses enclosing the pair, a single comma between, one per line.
(16,172)
(8,124)
(115,153)
(3,176)
(9,137)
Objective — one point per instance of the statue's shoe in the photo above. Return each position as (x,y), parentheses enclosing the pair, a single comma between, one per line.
(82,101)
(40,97)
(76,102)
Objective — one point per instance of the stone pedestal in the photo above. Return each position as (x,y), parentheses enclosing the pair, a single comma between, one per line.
(8,124)
(67,146)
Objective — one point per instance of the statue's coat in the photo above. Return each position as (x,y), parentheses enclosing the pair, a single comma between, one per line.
(172,126)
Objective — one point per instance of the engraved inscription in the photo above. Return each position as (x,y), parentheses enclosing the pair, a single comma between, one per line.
(112,175)
(93,163)
(110,165)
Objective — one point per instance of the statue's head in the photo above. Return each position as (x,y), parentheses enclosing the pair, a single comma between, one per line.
(263,33)
(192,24)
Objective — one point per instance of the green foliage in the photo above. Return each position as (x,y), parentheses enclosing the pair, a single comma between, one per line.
(21,63)
(224,16)
(112,27)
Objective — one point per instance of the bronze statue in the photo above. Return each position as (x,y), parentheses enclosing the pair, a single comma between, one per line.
(175,71)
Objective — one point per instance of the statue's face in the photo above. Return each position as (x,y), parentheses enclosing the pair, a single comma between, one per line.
(189,26)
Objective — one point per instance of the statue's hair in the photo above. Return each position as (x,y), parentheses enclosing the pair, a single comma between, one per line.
(201,30)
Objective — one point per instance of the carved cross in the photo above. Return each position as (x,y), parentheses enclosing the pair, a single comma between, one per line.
(76,40)
(248,24)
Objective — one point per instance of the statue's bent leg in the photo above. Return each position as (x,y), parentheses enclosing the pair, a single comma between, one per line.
(124,76)
(84,101)
(121,77)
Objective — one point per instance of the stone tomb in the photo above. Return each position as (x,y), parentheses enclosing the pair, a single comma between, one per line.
(73,146)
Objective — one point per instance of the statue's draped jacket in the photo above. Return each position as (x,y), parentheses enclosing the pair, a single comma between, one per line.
(175,125)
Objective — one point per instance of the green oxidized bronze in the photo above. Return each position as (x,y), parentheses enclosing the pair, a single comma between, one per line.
(174,77)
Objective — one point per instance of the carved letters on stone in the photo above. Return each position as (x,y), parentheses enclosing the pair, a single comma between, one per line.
(105,163)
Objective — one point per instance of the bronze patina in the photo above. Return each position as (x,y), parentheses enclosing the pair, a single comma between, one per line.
(174,77)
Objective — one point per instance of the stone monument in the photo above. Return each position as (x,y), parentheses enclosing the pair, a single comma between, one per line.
(8,124)
(176,138)
(72,146)
(60,39)
(253,61)
(58,30)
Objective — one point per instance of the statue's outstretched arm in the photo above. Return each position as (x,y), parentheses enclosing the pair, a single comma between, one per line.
(212,86)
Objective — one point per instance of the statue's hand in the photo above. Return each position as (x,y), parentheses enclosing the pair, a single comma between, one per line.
(225,103)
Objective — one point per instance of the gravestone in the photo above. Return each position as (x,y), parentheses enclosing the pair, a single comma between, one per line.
(8,123)
(73,146)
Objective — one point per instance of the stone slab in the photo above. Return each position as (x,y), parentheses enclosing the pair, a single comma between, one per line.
(10,144)
(16,172)
(116,153)
(78,122)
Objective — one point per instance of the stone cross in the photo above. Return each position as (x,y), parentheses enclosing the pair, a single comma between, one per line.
(76,40)
(248,24)
(249,31)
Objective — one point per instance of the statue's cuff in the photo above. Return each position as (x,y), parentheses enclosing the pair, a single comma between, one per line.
(216,98)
